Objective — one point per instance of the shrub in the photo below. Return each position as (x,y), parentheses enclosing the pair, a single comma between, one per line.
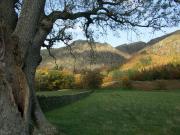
(78,81)
(41,81)
(53,80)
(118,75)
(166,72)
(107,79)
(126,83)
(91,79)
(68,82)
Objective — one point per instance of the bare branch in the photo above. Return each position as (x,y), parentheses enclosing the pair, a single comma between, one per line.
(114,14)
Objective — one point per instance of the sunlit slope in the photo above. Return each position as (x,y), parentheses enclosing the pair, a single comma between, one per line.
(132,48)
(81,55)
(165,50)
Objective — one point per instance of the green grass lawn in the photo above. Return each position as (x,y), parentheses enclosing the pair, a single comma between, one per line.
(121,112)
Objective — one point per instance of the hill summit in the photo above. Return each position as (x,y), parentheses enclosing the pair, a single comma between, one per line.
(159,51)
(139,55)
(83,55)
(132,48)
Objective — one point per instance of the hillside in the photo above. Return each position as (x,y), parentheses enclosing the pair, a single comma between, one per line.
(159,51)
(104,56)
(132,48)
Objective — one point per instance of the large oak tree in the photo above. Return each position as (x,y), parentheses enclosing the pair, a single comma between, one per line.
(27,25)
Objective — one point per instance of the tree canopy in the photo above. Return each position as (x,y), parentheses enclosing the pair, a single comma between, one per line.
(59,16)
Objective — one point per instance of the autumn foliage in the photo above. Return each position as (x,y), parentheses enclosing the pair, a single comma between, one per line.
(63,79)
(164,72)
(91,79)
(54,80)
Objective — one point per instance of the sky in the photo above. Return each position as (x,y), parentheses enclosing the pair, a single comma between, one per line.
(115,38)
(112,38)
(126,37)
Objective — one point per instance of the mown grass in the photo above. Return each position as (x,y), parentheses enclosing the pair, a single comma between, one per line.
(121,112)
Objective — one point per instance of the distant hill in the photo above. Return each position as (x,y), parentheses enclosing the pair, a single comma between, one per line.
(104,56)
(132,48)
(155,40)
(159,51)
(138,55)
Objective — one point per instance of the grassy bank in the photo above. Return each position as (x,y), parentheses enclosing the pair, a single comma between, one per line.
(121,112)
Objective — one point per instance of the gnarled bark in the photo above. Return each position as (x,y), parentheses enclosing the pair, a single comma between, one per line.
(40,123)
(14,92)
(10,118)
(19,57)
(18,93)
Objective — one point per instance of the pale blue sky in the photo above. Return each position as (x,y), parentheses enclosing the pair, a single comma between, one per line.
(122,37)
(112,37)
(130,37)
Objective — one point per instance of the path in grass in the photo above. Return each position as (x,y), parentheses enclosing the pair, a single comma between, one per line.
(120,112)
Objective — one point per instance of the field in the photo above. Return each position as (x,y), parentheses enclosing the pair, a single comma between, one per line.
(121,112)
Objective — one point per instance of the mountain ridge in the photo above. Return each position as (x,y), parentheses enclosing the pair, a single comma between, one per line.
(160,51)
(107,56)
(132,48)
(102,55)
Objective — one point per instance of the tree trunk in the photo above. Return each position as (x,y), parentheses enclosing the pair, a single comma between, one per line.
(32,61)
(20,41)
(14,92)
(11,122)
(20,113)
